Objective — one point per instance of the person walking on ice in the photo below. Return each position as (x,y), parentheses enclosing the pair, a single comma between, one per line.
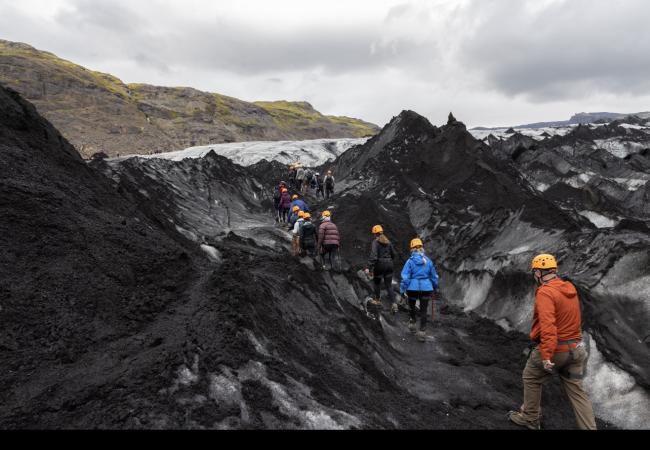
(557,331)
(380,267)
(419,283)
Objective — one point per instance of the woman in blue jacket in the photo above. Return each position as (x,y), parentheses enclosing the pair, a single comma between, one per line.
(419,282)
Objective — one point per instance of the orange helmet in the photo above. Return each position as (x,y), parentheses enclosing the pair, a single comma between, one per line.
(416,243)
(295,197)
(544,262)
(377,229)
(327,214)
(301,214)
(307,216)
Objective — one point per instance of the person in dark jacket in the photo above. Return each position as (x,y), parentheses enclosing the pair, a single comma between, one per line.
(320,186)
(380,267)
(419,282)
(285,203)
(277,196)
(308,237)
(292,176)
(329,240)
(293,217)
(329,184)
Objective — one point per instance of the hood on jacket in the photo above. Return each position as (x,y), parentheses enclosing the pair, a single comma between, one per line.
(566,288)
(418,258)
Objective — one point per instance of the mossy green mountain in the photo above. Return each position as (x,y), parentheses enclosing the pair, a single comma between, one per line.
(98,112)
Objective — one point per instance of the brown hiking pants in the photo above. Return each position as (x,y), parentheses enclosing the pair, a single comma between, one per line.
(570,366)
(295,245)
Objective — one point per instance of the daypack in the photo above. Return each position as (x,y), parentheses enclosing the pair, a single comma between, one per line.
(277,195)
(329,182)
(308,233)
(308,176)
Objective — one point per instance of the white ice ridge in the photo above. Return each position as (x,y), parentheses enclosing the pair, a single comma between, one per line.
(615,395)
(599,220)
(309,153)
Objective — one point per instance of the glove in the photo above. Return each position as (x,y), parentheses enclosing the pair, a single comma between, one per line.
(548,365)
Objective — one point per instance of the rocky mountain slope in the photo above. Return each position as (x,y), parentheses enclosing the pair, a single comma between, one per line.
(483,222)
(602,172)
(148,293)
(98,112)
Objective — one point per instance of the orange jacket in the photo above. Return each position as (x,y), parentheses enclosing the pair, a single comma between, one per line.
(557,317)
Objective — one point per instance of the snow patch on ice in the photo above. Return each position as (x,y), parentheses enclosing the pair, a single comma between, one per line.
(212,252)
(618,148)
(519,250)
(477,290)
(188,234)
(257,344)
(310,153)
(632,184)
(541,187)
(391,195)
(615,395)
(297,402)
(599,220)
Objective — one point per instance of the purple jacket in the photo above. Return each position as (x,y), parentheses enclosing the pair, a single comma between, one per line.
(328,233)
(285,200)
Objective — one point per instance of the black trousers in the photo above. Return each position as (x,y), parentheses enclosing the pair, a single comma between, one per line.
(384,274)
(284,212)
(330,250)
(308,248)
(425,298)
(329,192)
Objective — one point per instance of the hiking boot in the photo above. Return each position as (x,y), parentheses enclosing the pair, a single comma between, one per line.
(412,327)
(376,303)
(421,336)
(517,418)
(395,308)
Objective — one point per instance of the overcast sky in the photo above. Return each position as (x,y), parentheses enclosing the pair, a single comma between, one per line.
(491,62)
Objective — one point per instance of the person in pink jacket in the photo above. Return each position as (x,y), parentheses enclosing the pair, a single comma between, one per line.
(285,203)
(329,240)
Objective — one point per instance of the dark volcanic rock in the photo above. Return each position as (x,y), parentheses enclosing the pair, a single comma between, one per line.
(156,294)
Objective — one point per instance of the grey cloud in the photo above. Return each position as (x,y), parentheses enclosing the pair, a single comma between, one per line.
(571,49)
(112,16)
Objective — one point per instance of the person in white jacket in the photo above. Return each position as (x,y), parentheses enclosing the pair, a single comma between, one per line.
(295,243)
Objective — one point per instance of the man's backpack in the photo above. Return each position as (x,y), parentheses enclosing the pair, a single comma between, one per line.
(329,182)
(277,195)
(308,233)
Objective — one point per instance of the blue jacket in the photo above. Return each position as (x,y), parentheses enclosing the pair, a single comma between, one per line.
(292,221)
(300,204)
(419,274)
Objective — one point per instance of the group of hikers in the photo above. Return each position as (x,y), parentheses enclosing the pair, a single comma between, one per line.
(556,334)
(419,279)
(304,180)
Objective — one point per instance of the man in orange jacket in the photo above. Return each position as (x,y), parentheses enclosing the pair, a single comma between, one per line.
(557,332)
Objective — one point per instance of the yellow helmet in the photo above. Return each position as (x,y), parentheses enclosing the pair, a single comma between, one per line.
(544,262)
(307,216)
(416,243)
(296,209)
(301,214)
(327,214)
(377,229)
(295,197)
